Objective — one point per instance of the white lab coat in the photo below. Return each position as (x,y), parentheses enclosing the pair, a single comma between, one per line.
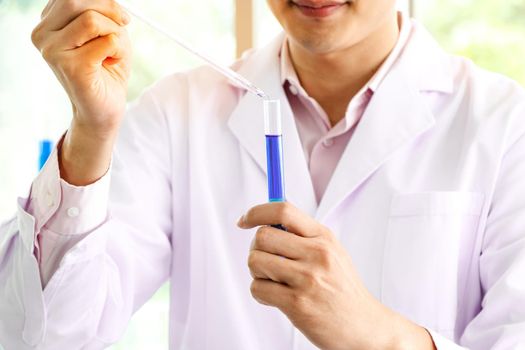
(428,199)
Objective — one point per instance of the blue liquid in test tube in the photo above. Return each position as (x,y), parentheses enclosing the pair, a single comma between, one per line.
(274,152)
(274,155)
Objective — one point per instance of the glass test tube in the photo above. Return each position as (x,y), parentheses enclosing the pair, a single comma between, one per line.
(274,150)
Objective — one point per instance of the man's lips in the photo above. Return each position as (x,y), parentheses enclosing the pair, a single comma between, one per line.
(318,9)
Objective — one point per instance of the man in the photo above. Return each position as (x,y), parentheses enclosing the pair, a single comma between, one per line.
(405,221)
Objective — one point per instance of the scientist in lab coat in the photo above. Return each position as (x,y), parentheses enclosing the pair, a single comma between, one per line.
(405,174)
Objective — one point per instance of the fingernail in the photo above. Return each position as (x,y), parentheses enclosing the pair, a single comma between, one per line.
(240,222)
(125,18)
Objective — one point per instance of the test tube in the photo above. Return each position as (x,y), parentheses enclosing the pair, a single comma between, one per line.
(274,150)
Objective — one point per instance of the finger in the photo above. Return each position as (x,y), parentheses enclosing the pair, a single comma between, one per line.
(282,213)
(86,27)
(279,242)
(270,293)
(98,50)
(273,267)
(64,12)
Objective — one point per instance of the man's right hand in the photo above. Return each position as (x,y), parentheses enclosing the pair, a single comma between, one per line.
(86,45)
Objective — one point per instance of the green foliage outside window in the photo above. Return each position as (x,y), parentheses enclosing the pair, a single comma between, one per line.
(490,32)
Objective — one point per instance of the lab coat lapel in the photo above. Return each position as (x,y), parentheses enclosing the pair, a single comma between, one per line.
(396,115)
(247,124)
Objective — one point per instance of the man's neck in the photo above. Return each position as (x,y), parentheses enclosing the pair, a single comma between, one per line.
(333,79)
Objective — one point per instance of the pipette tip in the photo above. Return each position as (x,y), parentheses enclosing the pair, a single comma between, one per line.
(260,93)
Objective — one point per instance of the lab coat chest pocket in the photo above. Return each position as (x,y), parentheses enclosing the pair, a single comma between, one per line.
(422,254)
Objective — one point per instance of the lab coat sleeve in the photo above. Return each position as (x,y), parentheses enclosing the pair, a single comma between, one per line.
(80,210)
(105,273)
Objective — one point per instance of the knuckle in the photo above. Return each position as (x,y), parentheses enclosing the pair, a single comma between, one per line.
(258,293)
(261,236)
(252,260)
(71,6)
(113,39)
(90,21)
(299,302)
(285,210)
(325,260)
(114,7)
(323,254)
(36,35)
(254,288)
(310,279)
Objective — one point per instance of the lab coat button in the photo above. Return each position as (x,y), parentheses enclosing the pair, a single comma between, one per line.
(73,212)
(294,90)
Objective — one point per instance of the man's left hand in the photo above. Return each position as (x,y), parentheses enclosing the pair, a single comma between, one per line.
(308,275)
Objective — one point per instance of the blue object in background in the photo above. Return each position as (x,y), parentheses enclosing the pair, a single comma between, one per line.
(45,151)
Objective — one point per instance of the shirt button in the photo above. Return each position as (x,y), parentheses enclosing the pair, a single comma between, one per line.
(328,142)
(73,212)
(293,90)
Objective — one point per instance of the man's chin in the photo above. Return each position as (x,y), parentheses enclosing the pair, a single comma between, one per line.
(319,44)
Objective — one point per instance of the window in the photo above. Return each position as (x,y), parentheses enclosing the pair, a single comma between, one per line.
(489,32)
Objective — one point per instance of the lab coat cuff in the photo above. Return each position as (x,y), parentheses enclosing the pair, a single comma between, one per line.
(82,208)
(64,208)
(443,343)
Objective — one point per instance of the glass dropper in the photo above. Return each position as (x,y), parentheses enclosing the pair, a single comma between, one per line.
(227,72)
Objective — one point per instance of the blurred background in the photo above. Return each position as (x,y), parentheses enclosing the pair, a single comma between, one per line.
(33,107)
